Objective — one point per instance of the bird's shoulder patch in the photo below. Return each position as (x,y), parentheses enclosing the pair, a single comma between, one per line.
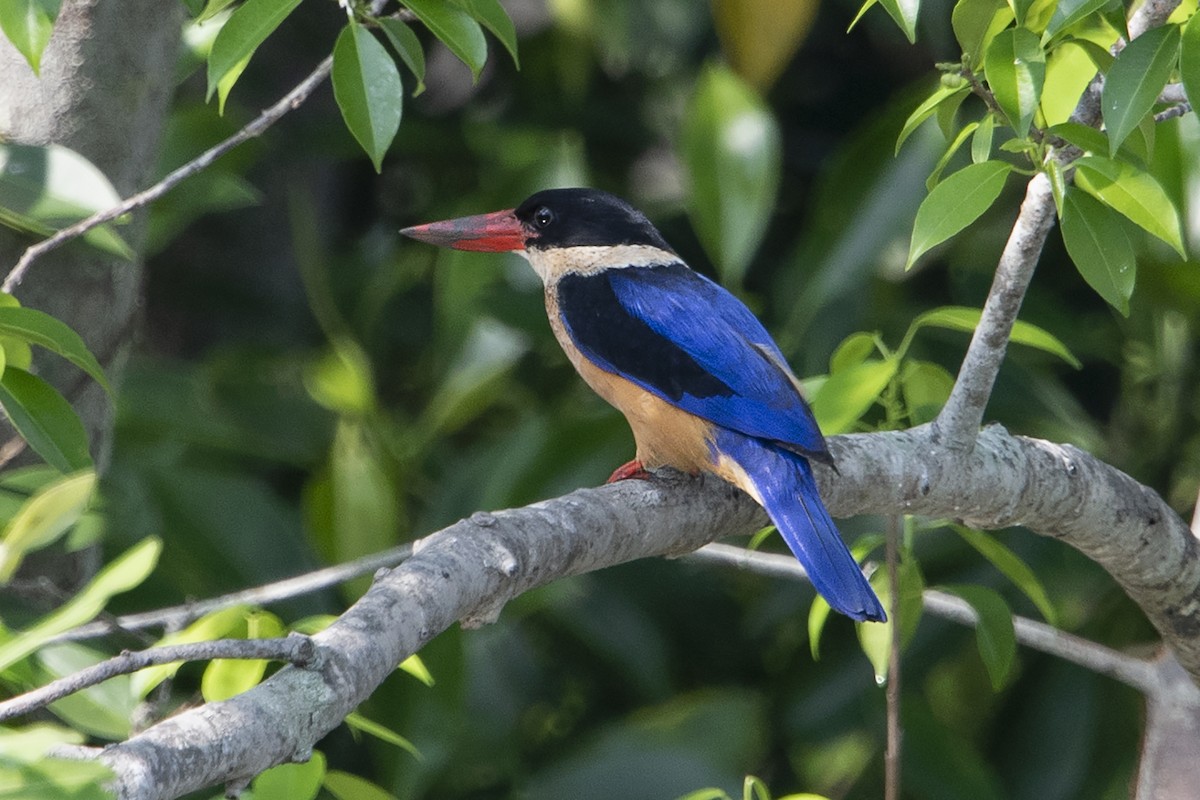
(610,334)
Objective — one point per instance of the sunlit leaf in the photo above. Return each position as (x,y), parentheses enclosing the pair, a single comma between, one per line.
(976,23)
(491,15)
(854,349)
(27,24)
(291,781)
(1099,247)
(214,625)
(124,573)
(45,420)
(367,87)
(1016,70)
(1058,183)
(981,142)
(414,666)
(953,147)
(1134,193)
(246,29)
(1135,80)
(44,517)
(732,150)
(1012,567)
(904,14)
(1068,12)
(455,28)
(849,394)
(44,188)
(954,204)
(875,638)
(227,677)
(961,318)
(927,108)
(408,46)
(993,631)
(345,786)
(39,328)
(358,722)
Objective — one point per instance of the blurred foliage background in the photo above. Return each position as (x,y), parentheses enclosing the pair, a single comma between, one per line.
(309,388)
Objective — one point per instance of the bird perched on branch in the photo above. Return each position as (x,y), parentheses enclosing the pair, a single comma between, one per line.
(699,379)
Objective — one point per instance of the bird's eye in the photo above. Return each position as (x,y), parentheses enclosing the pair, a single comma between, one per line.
(543,217)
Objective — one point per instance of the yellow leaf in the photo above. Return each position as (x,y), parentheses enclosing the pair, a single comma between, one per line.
(759,37)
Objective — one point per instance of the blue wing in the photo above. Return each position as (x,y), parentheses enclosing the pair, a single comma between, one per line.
(679,335)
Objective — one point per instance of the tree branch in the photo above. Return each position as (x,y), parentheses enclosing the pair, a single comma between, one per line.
(469,570)
(960,418)
(178,616)
(295,648)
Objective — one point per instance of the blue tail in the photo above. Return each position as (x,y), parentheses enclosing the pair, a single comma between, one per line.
(784,481)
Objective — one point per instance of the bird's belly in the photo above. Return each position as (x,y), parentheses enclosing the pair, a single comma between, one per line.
(665,436)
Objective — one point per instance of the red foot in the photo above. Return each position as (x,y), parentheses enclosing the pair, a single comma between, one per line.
(633,469)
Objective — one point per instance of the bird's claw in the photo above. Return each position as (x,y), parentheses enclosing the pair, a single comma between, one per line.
(632,469)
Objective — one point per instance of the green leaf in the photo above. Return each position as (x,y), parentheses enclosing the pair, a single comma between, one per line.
(366,85)
(454,28)
(993,631)
(104,710)
(1068,12)
(124,573)
(492,16)
(36,327)
(214,625)
(849,394)
(212,8)
(45,420)
(1098,245)
(1134,193)
(981,142)
(44,517)
(414,666)
(926,389)
(408,46)
(358,722)
(1016,70)
(1058,183)
(976,23)
(904,13)
(44,188)
(1085,137)
(345,786)
(27,24)
(246,29)
(875,638)
(926,109)
(958,142)
(961,318)
(1189,60)
(291,781)
(1012,567)
(227,677)
(731,150)
(954,204)
(854,349)
(1135,80)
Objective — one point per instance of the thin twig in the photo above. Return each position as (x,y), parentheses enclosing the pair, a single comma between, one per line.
(286,589)
(1036,635)
(295,648)
(891,756)
(256,127)
(1177,110)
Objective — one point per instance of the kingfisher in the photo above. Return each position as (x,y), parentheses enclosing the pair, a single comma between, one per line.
(702,384)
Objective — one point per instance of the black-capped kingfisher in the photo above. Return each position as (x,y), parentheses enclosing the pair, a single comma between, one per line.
(701,382)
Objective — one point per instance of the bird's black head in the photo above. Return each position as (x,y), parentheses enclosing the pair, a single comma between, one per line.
(583,217)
